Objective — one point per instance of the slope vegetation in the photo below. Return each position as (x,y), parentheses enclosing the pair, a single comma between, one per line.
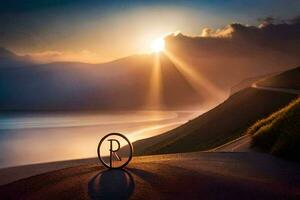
(225,122)
(279,133)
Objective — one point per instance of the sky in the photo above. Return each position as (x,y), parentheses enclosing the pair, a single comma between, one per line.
(100,31)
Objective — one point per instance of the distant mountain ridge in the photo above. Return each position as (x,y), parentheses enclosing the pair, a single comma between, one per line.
(4,53)
(123,84)
(9,59)
(194,71)
(289,79)
(248,82)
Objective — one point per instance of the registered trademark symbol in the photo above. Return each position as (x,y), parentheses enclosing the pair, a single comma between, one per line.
(110,153)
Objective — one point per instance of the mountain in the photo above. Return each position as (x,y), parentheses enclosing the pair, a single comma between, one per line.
(183,81)
(191,71)
(249,81)
(289,79)
(8,59)
(4,53)
(122,84)
(225,122)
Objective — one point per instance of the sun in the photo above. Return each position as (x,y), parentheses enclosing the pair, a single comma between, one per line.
(158,45)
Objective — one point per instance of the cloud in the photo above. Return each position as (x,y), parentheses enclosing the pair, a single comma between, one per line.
(295,20)
(61,56)
(224,32)
(268,27)
(239,51)
(271,34)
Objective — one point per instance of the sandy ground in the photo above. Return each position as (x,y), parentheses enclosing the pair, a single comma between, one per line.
(203,175)
(10,174)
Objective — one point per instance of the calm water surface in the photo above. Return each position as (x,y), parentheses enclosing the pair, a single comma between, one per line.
(27,138)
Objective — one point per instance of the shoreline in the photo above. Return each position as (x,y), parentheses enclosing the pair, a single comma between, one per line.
(67,143)
(166,176)
(15,173)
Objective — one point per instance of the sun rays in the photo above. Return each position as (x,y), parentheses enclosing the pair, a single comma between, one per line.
(155,91)
(158,45)
(198,82)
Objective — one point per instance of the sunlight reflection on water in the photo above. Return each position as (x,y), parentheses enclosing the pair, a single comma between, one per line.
(44,137)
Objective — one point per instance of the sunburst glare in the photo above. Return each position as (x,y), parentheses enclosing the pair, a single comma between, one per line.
(158,45)
(154,98)
(198,82)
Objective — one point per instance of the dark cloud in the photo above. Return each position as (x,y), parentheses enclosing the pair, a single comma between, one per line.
(269,20)
(237,51)
(295,20)
(283,36)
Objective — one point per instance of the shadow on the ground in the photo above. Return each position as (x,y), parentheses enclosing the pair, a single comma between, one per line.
(111,184)
(144,175)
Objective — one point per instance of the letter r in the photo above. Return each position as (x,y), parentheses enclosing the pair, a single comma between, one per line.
(113,151)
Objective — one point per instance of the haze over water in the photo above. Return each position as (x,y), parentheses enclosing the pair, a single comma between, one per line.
(27,138)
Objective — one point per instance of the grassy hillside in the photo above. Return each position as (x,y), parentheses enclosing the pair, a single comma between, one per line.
(225,122)
(288,79)
(279,133)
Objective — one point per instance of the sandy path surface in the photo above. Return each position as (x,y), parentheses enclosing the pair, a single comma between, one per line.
(200,175)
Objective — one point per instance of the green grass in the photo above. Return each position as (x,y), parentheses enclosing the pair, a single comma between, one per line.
(279,133)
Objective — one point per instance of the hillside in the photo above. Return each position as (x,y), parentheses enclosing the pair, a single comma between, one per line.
(288,79)
(201,78)
(75,86)
(248,82)
(8,59)
(225,122)
(279,133)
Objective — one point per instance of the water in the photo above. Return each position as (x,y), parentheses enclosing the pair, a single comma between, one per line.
(27,138)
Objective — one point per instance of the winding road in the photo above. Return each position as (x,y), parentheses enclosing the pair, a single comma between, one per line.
(233,173)
(242,144)
(285,90)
